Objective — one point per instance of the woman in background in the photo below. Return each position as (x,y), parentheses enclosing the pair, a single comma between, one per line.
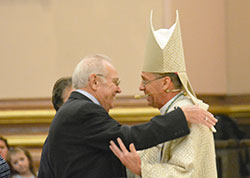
(4,147)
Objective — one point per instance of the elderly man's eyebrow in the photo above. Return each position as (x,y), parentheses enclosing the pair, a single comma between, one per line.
(116,81)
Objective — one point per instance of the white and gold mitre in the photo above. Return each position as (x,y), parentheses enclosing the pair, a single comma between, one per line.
(164,54)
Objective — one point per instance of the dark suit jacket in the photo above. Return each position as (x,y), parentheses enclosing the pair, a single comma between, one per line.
(78,142)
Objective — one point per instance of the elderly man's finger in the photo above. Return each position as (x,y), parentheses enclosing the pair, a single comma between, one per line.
(206,123)
(209,121)
(122,146)
(114,148)
(213,129)
(211,118)
(132,148)
(209,124)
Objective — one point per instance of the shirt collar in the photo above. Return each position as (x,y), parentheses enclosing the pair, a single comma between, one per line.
(163,108)
(91,97)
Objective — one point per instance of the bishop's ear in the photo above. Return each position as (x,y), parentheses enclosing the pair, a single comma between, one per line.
(166,82)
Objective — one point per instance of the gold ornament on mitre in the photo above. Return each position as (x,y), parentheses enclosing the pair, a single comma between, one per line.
(164,54)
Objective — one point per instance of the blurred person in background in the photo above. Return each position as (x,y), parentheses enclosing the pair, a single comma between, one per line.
(61,91)
(21,163)
(4,167)
(4,147)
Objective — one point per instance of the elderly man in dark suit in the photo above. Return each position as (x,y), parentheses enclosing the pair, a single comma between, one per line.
(78,141)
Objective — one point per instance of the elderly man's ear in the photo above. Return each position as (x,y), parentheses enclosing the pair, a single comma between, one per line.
(93,82)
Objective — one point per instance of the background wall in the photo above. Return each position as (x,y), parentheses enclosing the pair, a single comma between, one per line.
(216,37)
(238,46)
(203,33)
(42,40)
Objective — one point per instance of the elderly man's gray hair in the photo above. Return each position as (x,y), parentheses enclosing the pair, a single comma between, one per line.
(94,64)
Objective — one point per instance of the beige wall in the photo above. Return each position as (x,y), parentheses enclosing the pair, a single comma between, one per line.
(44,40)
(216,37)
(203,33)
(238,46)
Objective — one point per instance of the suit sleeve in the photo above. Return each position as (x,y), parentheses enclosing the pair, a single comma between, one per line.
(100,128)
(160,129)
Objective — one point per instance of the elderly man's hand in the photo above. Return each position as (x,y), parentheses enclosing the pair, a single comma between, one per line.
(196,115)
(130,159)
